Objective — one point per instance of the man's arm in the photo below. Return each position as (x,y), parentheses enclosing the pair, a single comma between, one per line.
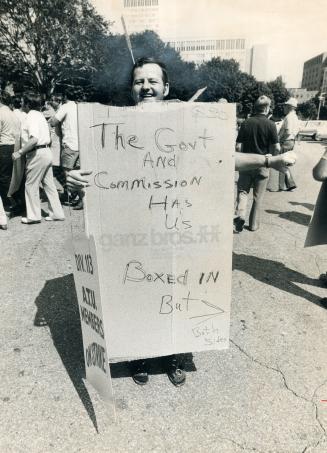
(78,179)
(238,147)
(320,170)
(54,122)
(245,162)
(30,145)
(274,149)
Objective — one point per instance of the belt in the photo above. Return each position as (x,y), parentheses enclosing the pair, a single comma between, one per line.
(41,146)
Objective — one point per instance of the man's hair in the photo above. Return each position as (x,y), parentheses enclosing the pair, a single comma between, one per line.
(16,102)
(149,60)
(261,104)
(5,98)
(33,101)
(57,97)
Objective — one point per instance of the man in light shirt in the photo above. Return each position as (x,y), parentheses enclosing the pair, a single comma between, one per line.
(66,116)
(36,149)
(9,137)
(287,134)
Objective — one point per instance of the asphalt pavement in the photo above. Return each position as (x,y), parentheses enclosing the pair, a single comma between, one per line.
(267,393)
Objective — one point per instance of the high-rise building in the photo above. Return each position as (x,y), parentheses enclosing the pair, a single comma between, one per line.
(302,94)
(253,60)
(314,73)
(141,15)
(201,50)
(257,62)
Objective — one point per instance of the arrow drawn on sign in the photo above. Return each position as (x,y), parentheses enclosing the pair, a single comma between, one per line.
(208,315)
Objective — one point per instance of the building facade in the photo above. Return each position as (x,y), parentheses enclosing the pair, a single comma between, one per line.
(257,60)
(251,60)
(302,94)
(314,73)
(201,50)
(141,15)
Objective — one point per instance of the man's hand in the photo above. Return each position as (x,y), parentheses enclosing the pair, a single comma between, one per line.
(76,179)
(16,155)
(282,161)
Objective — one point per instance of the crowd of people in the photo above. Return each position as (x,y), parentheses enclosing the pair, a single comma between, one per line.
(39,141)
(38,147)
(259,135)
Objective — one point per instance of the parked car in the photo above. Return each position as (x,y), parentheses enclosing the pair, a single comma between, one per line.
(312,128)
(322,133)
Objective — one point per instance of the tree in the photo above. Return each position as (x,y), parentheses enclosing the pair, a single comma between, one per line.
(280,96)
(308,110)
(223,79)
(49,43)
(113,79)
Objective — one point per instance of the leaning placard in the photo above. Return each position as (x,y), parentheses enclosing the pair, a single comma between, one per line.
(89,302)
(160,208)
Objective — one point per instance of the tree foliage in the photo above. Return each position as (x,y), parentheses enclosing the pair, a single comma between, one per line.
(49,43)
(113,79)
(280,95)
(308,110)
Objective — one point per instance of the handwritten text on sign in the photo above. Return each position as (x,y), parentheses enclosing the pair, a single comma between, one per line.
(160,208)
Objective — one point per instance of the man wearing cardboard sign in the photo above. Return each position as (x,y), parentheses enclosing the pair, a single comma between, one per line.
(150,84)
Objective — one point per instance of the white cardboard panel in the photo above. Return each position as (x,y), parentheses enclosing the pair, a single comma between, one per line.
(160,209)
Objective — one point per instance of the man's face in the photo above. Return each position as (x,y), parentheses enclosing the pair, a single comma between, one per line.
(148,85)
(55,102)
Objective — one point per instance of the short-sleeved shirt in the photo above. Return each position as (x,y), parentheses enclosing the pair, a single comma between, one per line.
(289,128)
(35,125)
(9,126)
(67,115)
(257,134)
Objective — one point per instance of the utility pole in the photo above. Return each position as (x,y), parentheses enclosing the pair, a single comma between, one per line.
(321,102)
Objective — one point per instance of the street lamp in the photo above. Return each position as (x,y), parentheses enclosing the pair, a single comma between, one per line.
(321,102)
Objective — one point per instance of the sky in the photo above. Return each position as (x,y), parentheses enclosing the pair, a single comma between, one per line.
(293,30)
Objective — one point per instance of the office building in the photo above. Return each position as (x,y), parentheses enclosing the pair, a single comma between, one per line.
(141,15)
(201,50)
(314,73)
(253,60)
(256,64)
(302,94)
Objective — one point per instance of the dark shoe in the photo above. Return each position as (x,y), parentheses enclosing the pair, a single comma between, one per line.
(26,221)
(323,302)
(323,278)
(79,205)
(3,227)
(176,374)
(290,189)
(239,224)
(139,372)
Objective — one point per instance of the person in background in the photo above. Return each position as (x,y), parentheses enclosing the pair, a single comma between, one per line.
(66,117)
(36,148)
(320,174)
(287,135)
(9,141)
(257,135)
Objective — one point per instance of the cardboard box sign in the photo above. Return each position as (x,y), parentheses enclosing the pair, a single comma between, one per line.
(160,209)
(89,301)
(317,231)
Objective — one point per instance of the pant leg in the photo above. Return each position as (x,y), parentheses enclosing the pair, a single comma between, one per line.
(6,167)
(289,180)
(55,208)
(3,217)
(243,188)
(37,162)
(259,190)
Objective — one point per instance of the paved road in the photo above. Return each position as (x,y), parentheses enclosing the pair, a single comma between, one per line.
(262,395)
